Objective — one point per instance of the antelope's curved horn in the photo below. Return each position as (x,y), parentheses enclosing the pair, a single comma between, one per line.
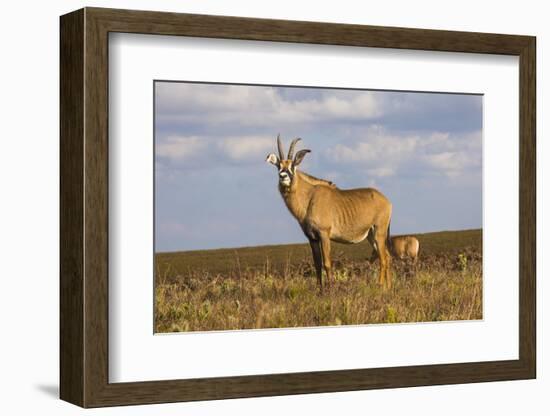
(291,148)
(280,147)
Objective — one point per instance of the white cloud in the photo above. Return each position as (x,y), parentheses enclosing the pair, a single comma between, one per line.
(378,146)
(183,102)
(203,151)
(381,172)
(445,160)
(241,148)
(180,147)
(377,152)
(383,154)
(453,163)
(174,98)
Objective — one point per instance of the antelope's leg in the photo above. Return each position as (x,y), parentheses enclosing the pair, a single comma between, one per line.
(317,261)
(372,241)
(385,260)
(388,267)
(382,273)
(325,251)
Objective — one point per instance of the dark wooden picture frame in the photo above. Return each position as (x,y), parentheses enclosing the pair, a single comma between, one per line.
(84,207)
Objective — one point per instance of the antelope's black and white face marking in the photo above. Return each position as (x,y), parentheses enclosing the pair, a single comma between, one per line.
(286,172)
(285,167)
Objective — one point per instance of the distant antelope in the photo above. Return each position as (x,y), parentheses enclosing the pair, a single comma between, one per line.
(327,213)
(405,247)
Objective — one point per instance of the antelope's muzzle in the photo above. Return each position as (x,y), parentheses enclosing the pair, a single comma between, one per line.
(285,177)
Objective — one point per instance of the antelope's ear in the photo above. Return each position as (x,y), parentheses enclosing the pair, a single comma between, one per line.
(273,159)
(300,156)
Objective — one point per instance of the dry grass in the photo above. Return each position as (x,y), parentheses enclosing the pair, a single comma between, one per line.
(446,285)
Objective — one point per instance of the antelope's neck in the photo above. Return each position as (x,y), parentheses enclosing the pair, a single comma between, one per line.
(297,197)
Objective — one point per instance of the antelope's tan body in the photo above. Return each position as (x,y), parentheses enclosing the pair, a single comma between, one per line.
(326,213)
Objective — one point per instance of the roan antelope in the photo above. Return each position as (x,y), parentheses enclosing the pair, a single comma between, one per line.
(327,213)
(404,247)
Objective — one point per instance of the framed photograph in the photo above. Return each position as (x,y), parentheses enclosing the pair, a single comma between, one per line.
(254,207)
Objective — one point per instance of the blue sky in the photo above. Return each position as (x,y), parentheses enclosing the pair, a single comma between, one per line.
(214,189)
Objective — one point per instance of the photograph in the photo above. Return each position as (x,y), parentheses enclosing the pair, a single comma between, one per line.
(299,206)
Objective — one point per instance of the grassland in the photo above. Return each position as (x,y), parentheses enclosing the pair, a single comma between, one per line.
(275,286)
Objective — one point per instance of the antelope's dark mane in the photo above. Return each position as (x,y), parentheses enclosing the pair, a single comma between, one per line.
(315,181)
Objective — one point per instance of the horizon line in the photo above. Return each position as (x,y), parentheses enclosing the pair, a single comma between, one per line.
(302,243)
